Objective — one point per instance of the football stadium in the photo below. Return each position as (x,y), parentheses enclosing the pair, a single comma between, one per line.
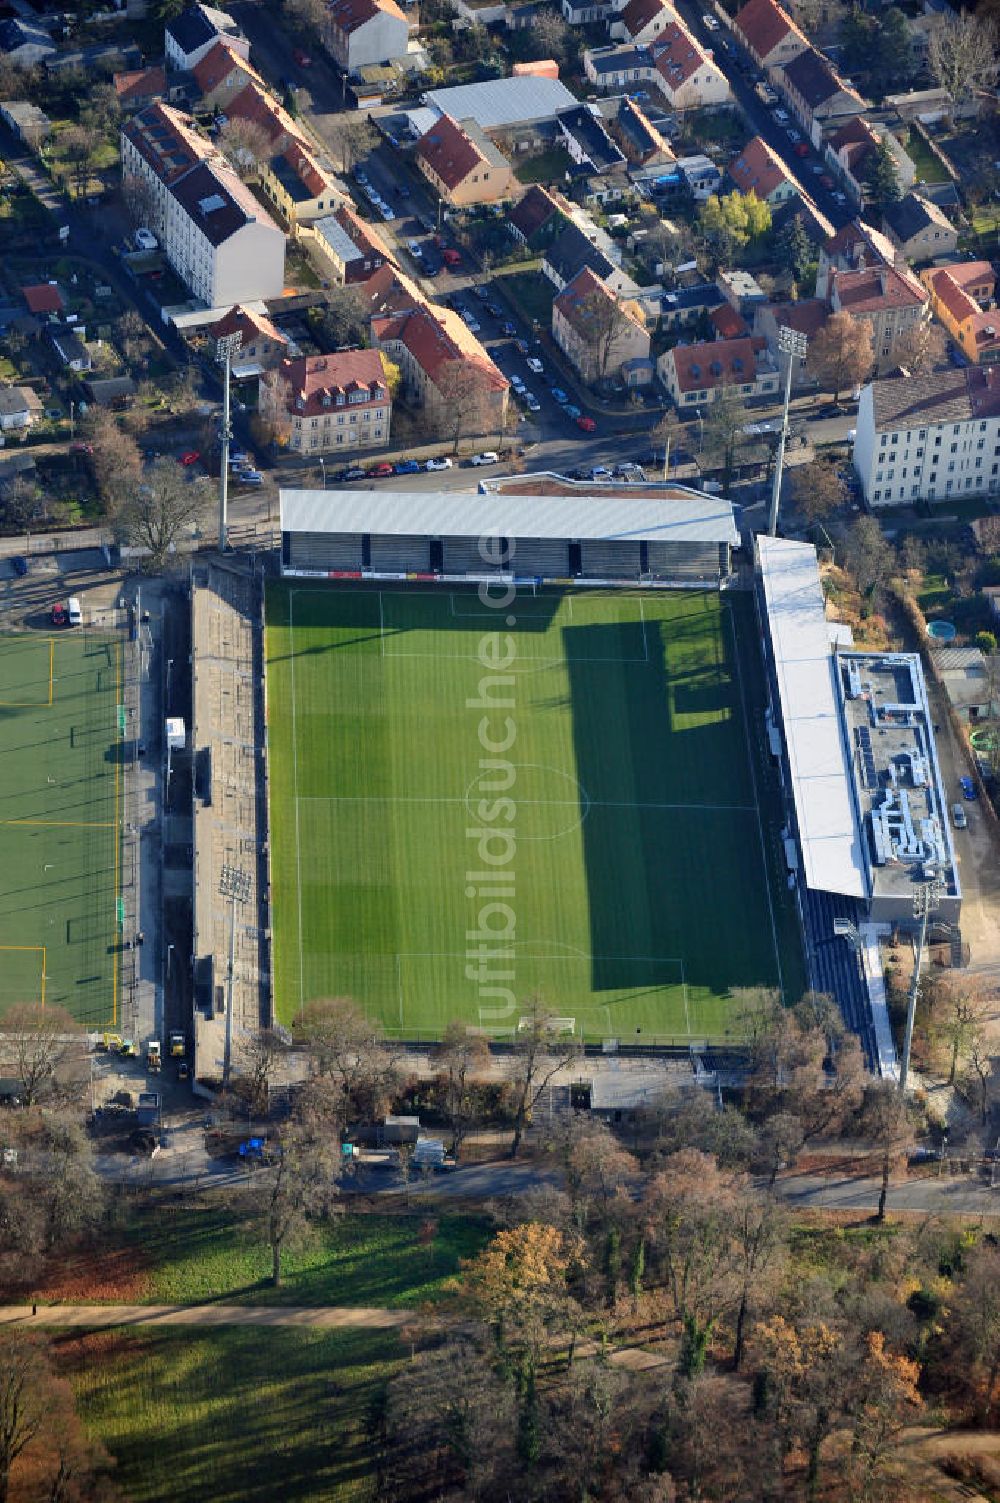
(59,820)
(478,796)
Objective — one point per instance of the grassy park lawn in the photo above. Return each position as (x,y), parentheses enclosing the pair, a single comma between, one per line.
(235,1415)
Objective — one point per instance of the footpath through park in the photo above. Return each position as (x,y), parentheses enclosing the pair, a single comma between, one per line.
(343,1317)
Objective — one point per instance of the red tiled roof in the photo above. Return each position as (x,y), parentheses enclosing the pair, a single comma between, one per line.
(764,24)
(533,211)
(389,290)
(876,288)
(310,378)
(348,15)
(437,338)
(240,320)
(728,323)
(758,167)
(365,236)
(142,83)
(807,316)
(449,152)
(727,362)
(219,61)
(43,297)
(577,301)
(860,238)
(676,54)
(165,140)
(968,274)
(253,104)
(638,14)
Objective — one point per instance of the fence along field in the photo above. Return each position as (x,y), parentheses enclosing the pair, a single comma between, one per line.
(638,878)
(59,801)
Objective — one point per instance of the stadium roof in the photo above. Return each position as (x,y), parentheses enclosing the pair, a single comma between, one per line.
(502,102)
(693,518)
(810,713)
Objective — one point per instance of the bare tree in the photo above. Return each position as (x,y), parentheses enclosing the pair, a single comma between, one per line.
(961,1012)
(349,1054)
(920,347)
(297,1188)
(466,407)
(37,1039)
(246,143)
(842,354)
(963,54)
(116,460)
(308,15)
(465,1056)
(139,199)
(40,1430)
(817,490)
(260,1055)
(351,138)
(724,434)
(887,1119)
(155,513)
(79,145)
(606,321)
(541,1050)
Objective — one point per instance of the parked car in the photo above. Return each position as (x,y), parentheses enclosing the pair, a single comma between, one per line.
(518,384)
(488,456)
(521,345)
(508,328)
(560,396)
(958,817)
(781,116)
(801,149)
(531,402)
(407,467)
(571,411)
(534,364)
(354,473)
(249,477)
(386,212)
(968,788)
(360,176)
(587,424)
(240,460)
(471,321)
(302,58)
(415,250)
(709,22)
(450,256)
(19,564)
(80,448)
(381,471)
(192,456)
(441,463)
(482,292)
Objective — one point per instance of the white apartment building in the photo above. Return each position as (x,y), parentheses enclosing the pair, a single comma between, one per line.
(213,231)
(929,438)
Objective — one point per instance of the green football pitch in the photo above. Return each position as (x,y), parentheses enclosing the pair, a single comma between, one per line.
(59,849)
(594,834)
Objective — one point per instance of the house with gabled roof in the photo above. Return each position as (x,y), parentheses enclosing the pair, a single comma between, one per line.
(328,404)
(598,332)
(300,185)
(536,218)
(852,149)
(438,356)
(815,93)
(768,33)
(262,343)
(889,298)
(359,33)
(139,87)
(759,169)
(918,229)
(642,143)
(222,73)
(462,164)
(695,374)
(642,21)
(350,248)
(962,299)
(684,72)
(189,35)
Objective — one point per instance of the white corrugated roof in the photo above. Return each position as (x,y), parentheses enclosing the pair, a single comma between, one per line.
(438,514)
(503,101)
(810,713)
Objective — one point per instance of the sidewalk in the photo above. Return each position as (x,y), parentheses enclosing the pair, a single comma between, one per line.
(339,1317)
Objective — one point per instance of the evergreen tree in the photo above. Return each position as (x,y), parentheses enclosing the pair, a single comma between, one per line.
(793,251)
(881,178)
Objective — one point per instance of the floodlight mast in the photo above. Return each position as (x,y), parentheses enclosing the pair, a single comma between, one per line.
(225,349)
(794,345)
(234,884)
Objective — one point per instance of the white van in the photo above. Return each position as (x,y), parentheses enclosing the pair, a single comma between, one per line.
(145,240)
(74,615)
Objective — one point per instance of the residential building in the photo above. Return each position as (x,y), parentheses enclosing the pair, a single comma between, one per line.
(25,44)
(620,67)
(300,186)
(888,297)
(30,124)
(758,169)
(596,331)
(639,138)
(768,33)
(361,32)
(807,316)
(444,368)
(212,229)
(642,21)
(262,343)
(728,323)
(741,291)
(918,229)
(350,248)
(684,72)
(581,131)
(322,404)
(701,175)
(695,374)
(462,164)
(541,68)
(43,298)
(816,225)
(536,218)
(852,248)
(139,87)
(190,35)
(971,682)
(586,12)
(222,74)
(114,392)
(389,291)
(69,346)
(688,306)
(576,247)
(852,149)
(815,93)
(19,408)
(102,57)
(957,296)
(503,104)
(929,437)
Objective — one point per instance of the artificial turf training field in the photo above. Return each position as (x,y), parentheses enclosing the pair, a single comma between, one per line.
(642,889)
(59,794)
